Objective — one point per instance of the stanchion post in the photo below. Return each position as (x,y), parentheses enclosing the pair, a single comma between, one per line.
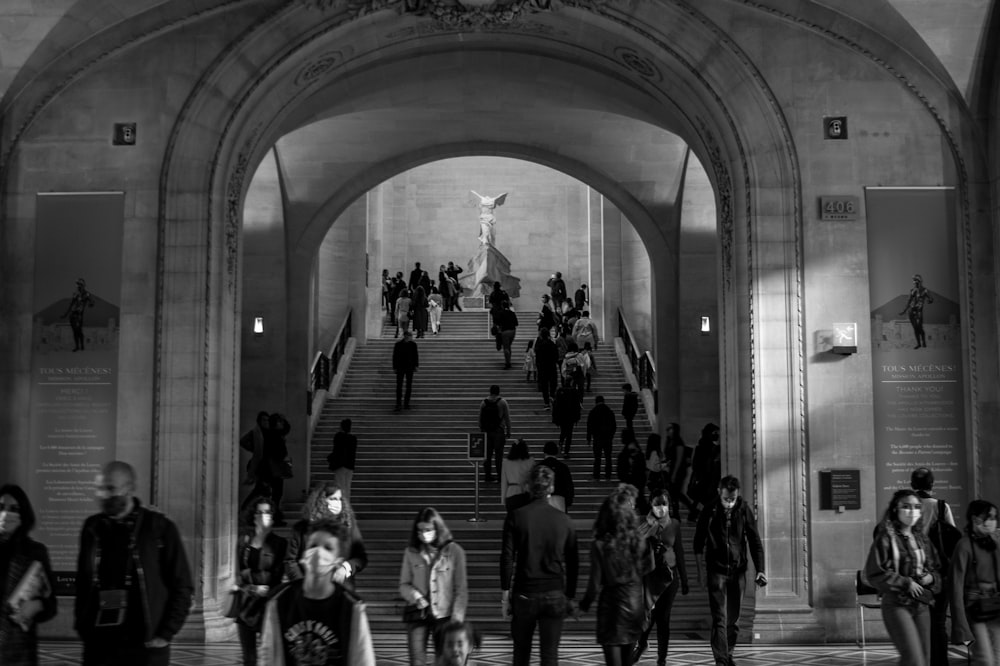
(477,453)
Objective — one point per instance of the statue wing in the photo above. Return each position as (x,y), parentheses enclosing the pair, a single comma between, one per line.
(480,199)
(498,201)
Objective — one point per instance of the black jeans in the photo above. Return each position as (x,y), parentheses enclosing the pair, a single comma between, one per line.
(660,617)
(548,381)
(566,437)
(400,399)
(602,446)
(725,594)
(546,610)
(248,644)
(494,453)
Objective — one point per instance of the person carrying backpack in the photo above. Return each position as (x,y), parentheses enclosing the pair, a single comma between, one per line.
(494,423)
(573,373)
(940,529)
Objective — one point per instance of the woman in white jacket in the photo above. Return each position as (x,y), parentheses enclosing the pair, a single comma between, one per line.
(432,582)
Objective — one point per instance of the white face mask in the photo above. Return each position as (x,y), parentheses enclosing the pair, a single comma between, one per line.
(9,522)
(335,505)
(318,560)
(265,520)
(988,526)
(428,537)
(908,517)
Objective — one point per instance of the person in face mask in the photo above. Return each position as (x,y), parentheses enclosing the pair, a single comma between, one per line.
(726,530)
(431,555)
(974,575)
(23,559)
(133,585)
(326,502)
(315,621)
(903,566)
(260,557)
(662,533)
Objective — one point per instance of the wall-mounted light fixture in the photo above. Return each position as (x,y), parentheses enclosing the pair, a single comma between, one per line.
(258,326)
(845,338)
(706,325)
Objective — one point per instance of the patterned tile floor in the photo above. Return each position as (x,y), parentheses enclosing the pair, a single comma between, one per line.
(575,651)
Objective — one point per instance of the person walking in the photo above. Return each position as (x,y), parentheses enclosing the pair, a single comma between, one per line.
(939,528)
(630,404)
(547,364)
(726,530)
(260,557)
(404,312)
(563,491)
(680,455)
(133,582)
(566,414)
(494,423)
(253,441)
(706,470)
(325,503)
(24,561)
(530,370)
(420,315)
(405,362)
(343,457)
(662,533)
(585,330)
(452,272)
(601,428)
(902,565)
(580,298)
(975,586)
(416,275)
(515,476)
(557,289)
(632,468)
(432,582)
(546,319)
(506,323)
(539,565)
(619,559)
(312,620)
(435,304)
(277,466)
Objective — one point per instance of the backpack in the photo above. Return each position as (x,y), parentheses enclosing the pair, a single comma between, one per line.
(944,536)
(489,415)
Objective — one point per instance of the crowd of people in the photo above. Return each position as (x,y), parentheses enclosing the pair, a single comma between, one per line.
(417,303)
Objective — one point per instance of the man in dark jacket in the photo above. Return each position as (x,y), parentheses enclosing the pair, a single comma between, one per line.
(601,427)
(547,365)
(563,490)
(726,530)
(415,276)
(494,423)
(405,361)
(630,404)
(538,571)
(566,414)
(506,322)
(557,288)
(133,583)
(343,457)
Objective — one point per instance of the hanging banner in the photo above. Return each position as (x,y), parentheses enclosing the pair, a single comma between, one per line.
(917,367)
(74,391)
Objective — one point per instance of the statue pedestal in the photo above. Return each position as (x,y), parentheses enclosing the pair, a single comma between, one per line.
(489,266)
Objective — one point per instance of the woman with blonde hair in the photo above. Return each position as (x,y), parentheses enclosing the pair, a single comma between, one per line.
(432,582)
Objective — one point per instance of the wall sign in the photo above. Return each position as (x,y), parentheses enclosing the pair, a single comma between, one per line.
(838,208)
(840,489)
(835,128)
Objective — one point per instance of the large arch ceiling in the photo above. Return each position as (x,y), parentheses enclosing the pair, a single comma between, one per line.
(362,130)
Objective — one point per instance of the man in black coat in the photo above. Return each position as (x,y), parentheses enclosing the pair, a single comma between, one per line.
(405,361)
(547,365)
(563,491)
(601,427)
(343,457)
(557,288)
(506,322)
(415,275)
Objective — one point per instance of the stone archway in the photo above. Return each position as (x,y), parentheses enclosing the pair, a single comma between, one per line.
(719,105)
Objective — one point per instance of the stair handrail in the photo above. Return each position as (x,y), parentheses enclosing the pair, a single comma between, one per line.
(321,373)
(643,365)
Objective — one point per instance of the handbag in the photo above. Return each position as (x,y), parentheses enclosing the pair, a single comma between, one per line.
(413,613)
(235,604)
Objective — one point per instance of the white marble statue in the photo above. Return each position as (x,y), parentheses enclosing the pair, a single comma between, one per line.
(487,221)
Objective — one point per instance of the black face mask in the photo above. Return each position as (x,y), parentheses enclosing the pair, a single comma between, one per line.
(114,505)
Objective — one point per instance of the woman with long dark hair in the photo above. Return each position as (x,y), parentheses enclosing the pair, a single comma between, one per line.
(326,502)
(260,557)
(662,533)
(619,559)
(432,579)
(22,560)
(975,584)
(903,565)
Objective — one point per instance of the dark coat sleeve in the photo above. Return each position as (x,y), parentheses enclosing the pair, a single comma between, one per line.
(40,553)
(754,543)
(177,576)
(84,574)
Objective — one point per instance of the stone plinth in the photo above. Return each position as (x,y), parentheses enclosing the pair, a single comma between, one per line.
(487,267)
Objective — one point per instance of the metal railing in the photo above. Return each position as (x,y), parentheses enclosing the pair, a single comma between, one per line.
(325,365)
(642,364)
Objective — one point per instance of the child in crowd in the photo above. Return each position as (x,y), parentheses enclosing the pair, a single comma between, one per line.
(531,371)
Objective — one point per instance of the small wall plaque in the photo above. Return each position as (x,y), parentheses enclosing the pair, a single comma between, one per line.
(840,489)
(838,208)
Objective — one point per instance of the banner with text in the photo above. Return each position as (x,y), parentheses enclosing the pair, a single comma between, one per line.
(74,392)
(919,394)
